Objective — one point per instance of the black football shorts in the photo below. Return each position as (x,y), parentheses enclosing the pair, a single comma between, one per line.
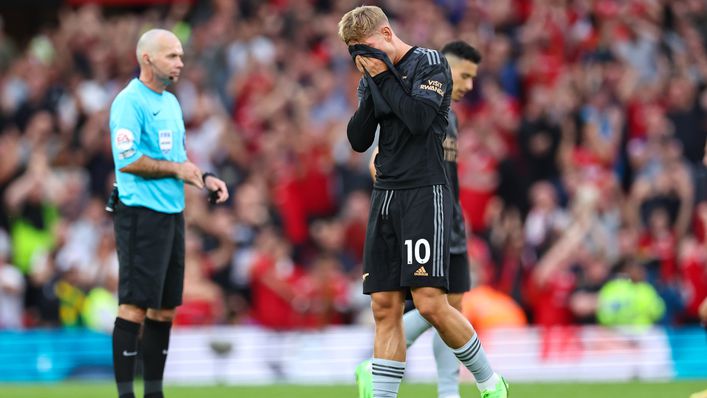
(407,239)
(459,275)
(150,249)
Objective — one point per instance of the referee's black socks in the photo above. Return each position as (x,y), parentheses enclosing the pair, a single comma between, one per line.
(155,343)
(124,353)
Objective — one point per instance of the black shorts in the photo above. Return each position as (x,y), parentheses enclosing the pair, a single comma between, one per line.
(457,235)
(407,239)
(459,275)
(150,249)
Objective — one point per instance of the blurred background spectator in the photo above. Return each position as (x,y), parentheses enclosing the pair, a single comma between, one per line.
(582,158)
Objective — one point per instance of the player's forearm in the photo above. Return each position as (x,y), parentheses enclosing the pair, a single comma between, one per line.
(361,130)
(151,168)
(417,114)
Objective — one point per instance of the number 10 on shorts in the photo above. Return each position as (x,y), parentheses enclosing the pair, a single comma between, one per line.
(420,246)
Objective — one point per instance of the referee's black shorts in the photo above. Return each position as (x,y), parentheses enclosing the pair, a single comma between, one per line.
(150,249)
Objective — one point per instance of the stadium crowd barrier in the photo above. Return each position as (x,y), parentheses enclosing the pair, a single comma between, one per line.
(252,355)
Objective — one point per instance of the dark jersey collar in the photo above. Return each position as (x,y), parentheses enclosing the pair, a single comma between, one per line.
(407,55)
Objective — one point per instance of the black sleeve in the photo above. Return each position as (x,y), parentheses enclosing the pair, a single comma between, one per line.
(362,127)
(419,108)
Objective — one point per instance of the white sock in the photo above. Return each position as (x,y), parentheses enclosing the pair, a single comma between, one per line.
(473,357)
(387,375)
(489,384)
(447,368)
(414,325)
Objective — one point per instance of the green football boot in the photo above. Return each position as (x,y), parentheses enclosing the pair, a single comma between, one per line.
(364,379)
(499,391)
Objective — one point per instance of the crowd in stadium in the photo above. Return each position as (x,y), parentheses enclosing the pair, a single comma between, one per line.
(581,161)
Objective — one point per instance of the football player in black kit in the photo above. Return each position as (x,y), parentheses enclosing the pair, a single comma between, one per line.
(406,91)
(463,62)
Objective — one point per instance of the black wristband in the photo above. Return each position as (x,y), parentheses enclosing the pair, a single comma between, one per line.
(207,174)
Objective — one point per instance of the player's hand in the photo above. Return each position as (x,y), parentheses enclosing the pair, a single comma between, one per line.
(372,65)
(190,173)
(217,186)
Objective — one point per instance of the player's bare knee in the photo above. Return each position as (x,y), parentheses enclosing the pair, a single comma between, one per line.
(386,306)
(455,300)
(431,309)
(386,310)
(131,313)
(430,297)
(162,315)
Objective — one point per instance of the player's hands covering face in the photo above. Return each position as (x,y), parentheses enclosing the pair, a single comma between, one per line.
(372,65)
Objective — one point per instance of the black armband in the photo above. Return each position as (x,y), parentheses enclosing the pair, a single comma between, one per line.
(207,174)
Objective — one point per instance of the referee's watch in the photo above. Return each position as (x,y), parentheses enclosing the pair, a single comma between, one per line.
(206,175)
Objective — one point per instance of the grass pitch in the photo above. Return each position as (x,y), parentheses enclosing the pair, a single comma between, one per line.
(681,389)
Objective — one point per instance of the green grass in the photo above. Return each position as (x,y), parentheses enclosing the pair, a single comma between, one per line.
(681,389)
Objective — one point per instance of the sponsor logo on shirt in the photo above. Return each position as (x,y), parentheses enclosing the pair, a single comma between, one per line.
(434,86)
(124,139)
(124,143)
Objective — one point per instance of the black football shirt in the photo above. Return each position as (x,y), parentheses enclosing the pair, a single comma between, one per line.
(413,124)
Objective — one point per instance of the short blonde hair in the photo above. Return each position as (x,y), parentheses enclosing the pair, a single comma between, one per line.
(360,23)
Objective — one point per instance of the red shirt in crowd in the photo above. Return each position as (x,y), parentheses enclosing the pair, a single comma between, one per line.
(273,290)
(662,248)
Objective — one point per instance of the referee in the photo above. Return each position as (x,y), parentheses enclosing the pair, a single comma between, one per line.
(151,166)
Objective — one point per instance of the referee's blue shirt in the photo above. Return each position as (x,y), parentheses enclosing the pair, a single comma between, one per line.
(144,122)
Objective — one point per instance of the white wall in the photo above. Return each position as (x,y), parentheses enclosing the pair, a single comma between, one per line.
(330,356)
